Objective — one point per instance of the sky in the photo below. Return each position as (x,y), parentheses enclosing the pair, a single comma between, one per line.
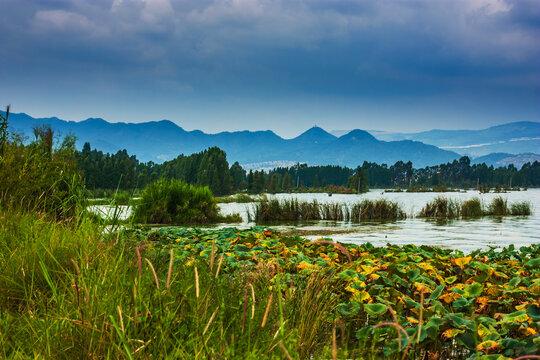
(283,65)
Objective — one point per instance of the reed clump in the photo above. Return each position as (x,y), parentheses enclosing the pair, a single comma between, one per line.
(294,210)
(521,208)
(498,207)
(472,208)
(381,209)
(442,207)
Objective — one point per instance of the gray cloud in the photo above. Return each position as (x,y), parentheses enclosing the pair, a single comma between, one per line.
(205,50)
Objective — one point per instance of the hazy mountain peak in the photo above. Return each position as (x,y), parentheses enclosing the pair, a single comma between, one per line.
(315,135)
(358,135)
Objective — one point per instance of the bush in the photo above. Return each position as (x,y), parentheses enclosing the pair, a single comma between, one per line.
(169,201)
(40,176)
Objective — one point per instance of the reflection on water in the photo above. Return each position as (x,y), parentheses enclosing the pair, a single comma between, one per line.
(466,235)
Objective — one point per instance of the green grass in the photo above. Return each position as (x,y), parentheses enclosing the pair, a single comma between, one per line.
(294,210)
(71,290)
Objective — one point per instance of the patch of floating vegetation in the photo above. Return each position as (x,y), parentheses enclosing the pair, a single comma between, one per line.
(394,301)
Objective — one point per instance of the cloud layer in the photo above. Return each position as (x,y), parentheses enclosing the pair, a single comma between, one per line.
(247,57)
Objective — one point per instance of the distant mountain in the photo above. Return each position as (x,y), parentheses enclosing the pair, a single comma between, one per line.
(503,159)
(513,138)
(163,140)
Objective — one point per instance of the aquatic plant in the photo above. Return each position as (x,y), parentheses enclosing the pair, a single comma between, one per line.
(498,207)
(380,209)
(441,207)
(472,208)
(521,208)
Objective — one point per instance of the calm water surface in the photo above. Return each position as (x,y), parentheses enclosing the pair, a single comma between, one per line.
(466,235)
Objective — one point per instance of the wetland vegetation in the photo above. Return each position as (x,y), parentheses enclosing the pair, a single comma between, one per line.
(72,288)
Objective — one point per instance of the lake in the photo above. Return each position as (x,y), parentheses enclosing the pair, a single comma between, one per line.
(465,235)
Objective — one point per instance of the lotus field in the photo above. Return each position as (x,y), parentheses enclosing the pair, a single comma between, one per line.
(325,299)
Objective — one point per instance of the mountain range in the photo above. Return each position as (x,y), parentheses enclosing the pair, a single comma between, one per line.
(512,138)
(164,140)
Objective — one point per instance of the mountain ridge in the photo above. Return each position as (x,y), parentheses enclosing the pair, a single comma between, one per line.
(163,140)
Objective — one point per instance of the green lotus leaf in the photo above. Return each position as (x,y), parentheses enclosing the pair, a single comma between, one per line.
(516,317)
(375,309)
(436,293)
(413,274)
(473,290)
(534,312)
(450,279)
(533,263)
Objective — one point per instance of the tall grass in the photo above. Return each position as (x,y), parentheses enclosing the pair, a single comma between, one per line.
(376,209)
(521,208)
(442,207)
(472,208)
(498,207)
(295,210)
(75,293)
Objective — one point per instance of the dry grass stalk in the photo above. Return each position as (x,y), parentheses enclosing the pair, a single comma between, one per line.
(267,311)
(284,350)
(219,265)
(153,272)
(213,254)
(252,305)
(210,321)
(196,282)
(168,285)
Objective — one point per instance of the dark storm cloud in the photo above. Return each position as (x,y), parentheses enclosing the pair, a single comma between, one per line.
(275,50)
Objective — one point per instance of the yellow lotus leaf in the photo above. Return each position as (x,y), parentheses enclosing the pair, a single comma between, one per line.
(412,320)
(528,331)
(422,288)
(325,257)
(461,262)
(493,291)
(449,297)
(362,296)
(304,265)
(229,254)
(483,331)
(177,240)
(487,346)
(482,300)
(500,275)
(426,266)
(452,333)
(522,306)
(535,290)
(367,269)
(374,276)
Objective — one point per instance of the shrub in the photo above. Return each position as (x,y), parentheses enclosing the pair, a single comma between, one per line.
(169,201)
(40,176)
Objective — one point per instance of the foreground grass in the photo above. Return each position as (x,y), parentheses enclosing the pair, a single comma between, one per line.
(72,292)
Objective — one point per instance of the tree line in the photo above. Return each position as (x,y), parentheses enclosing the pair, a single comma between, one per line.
(211,168)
